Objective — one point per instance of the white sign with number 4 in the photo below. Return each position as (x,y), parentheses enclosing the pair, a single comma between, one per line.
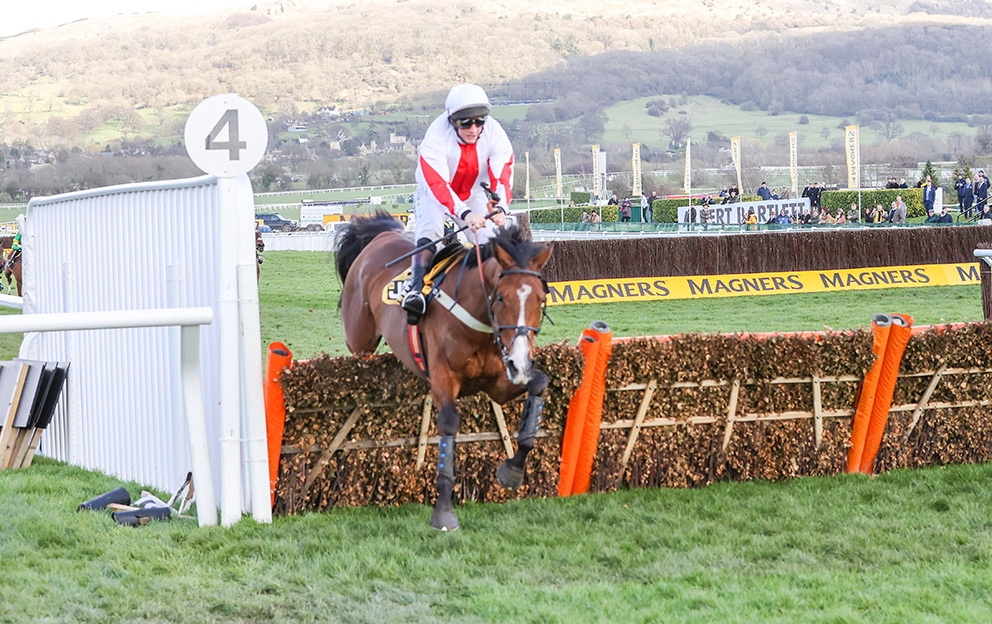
(226,136)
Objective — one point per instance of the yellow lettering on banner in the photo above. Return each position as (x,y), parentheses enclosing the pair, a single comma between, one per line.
(751,284)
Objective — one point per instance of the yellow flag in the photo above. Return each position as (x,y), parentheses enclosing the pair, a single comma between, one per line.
(597,182)
(558,171)
(794,162)
(852,147)
(635,166)
(735,155)
(687,183)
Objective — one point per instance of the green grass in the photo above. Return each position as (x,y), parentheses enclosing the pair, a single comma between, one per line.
(298,295)
(908,546)
(709,114)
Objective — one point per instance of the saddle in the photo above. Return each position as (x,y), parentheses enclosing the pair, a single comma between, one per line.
(444,261)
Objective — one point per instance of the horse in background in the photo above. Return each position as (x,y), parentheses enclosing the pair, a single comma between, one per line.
(12,271)
(480,340)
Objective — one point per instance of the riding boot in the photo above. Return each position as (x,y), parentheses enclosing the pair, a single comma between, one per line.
(414,302)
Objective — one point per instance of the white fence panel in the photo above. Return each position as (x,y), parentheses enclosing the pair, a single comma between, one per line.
(135,246)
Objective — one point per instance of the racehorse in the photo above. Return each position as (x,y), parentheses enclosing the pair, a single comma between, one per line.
(12,271)
(480,340)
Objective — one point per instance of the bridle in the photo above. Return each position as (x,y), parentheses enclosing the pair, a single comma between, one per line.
(518,330)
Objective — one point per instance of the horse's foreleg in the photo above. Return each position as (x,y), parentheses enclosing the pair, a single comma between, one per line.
(510,473)
(444,518)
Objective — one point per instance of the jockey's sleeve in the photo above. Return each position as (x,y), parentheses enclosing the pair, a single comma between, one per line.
(501,166)
(434,166)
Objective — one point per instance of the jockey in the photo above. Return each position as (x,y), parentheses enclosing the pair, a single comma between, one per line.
(15,247)
(462,147)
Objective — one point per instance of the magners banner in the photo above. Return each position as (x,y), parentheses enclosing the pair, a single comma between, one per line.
(852,147)
(750,284)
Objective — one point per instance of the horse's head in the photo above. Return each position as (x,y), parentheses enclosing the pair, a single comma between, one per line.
(517,304)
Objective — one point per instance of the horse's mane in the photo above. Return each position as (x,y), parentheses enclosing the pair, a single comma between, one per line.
(522,251)
(357,234)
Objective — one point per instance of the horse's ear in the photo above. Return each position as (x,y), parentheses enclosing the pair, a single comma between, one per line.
(541,259)
(505,260)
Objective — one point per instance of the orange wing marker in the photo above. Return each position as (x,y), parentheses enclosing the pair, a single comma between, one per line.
(902,325)
(881,325)
(280,357)
(575,454)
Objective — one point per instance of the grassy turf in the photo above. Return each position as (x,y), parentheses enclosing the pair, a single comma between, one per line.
(908,546)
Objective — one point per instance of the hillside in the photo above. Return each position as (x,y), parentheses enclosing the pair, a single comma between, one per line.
(139,74)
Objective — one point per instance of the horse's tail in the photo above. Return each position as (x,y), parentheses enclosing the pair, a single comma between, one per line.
(358,233)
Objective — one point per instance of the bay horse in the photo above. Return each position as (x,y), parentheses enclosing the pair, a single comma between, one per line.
(487,347)
(12,271)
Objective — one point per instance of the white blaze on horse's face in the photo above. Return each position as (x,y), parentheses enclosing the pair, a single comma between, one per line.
(519,349)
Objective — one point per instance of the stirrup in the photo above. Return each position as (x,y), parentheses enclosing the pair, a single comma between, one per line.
(415,305)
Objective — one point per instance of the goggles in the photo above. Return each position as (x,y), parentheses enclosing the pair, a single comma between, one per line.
(468,123)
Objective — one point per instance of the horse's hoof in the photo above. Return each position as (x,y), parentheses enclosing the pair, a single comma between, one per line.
(444,521)
(509,476)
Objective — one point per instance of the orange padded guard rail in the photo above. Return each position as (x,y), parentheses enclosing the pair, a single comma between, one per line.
(279,358)
(898,338)
(881,325)
(586,405)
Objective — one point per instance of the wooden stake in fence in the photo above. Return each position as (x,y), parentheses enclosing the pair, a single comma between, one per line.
(503,433)
(325,457)
(425,425)
(922,405)
(817,411)
(636,427)
(735,389)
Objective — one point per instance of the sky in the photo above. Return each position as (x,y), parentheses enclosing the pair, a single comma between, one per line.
(21,15)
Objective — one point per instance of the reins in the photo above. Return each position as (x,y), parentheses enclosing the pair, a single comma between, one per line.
(519,330)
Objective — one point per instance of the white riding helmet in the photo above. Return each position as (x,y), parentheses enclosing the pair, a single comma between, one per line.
(466,101)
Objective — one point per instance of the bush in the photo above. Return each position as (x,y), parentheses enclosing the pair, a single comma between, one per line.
(803,120)
(573,214)
(580,198)
(833,200)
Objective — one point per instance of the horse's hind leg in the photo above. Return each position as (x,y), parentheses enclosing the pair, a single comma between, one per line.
(510,473)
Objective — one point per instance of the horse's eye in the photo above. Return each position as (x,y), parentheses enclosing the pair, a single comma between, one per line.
(499,297)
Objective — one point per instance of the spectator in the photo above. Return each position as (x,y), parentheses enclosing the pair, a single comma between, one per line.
(929,195)
(625,210)
(825,216)
(734,194)
(774,195)
(899,211)
(959,187)
(595,218)
(854,214)
(613,201)
(981,189)
(806,217)
(968,200)
(763,192)
(814,195)
(785,193)
(877,214)
(651,200)
(807,190)
(945,217)
(986,213)
(902,183)
(931,217)
(783,217)
(585,217)
(644,208)
(839,217)
(752,219)
(704,211)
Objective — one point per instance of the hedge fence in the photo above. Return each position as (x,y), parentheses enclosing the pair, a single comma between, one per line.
(797,250)
(686,412)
